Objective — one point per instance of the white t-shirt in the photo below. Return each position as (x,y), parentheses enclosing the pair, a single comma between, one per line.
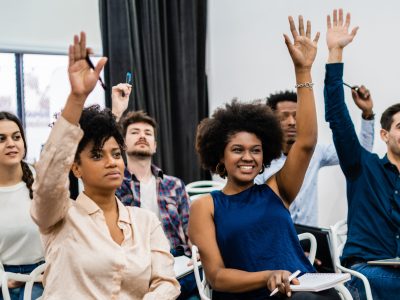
(148,196)
(20,242)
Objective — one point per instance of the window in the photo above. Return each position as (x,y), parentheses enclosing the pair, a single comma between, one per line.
(8,91)
(46,88)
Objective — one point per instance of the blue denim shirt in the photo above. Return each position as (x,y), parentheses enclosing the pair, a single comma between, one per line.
(373,183)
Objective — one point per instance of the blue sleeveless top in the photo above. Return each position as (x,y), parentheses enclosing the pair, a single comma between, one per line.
(255,232)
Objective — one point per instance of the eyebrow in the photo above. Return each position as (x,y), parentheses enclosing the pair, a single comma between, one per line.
(12,133)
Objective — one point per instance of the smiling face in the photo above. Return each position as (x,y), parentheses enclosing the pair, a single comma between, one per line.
(140,140)
(286,113)
(101,170)
(243,157)
(12,146)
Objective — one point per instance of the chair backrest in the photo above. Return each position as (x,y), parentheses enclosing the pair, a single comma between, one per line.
(203,186)
(29,279)
(202,285)
(205,289)
(338,240)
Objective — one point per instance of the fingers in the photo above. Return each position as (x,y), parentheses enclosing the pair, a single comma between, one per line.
(83,44)
(316,39)
(77,50)
(301,25)
(100,65)
(328,22)
(71,55)
(340,23)
(308,32)
(354,31)
(292,28)
(335,21)
(288,43)
(347,24)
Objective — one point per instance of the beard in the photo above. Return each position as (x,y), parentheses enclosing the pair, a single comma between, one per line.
(140,153)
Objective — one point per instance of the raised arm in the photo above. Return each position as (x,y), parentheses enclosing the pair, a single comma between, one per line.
(344,136)
(51,187)
(120,98)
(302,51)
(363,100)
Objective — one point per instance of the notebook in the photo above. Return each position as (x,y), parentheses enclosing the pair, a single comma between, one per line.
(388,262)
(181,267)
(315,282)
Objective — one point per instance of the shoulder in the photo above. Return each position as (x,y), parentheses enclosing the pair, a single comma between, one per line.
(202,204)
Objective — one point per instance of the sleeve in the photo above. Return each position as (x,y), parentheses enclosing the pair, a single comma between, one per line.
(347,146)
(51,187)
(163,284)
(183,209)
(367,134)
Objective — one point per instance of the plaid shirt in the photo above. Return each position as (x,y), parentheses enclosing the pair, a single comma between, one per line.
(173,203)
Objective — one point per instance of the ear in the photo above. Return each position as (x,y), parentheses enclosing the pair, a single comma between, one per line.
(384,135)
(76,170)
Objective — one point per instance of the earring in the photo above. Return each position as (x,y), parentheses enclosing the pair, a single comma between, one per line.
(220,172)
(262,169)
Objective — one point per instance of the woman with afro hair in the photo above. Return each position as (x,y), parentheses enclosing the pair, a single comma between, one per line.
(95,247)
(246,239)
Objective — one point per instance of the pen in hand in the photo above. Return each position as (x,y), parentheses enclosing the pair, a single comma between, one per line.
(291,277)
(92,67)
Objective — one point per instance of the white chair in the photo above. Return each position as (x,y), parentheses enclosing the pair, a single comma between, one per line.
(204,186)
(29,279)
(202,285)
(338,240)
(205,289)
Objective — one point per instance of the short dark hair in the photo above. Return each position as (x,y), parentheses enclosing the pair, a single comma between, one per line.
(214,133)
(387,116)
(137,117)
(274,99)
(27,175)
(98,126)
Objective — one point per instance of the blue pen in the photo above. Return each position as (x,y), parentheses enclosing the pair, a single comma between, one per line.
(128,77)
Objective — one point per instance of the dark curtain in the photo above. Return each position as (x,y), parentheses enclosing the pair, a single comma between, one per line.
(162,42)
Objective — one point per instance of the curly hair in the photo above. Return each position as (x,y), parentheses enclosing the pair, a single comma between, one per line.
(214,133)
(98,126)
(27,175)
(274,99)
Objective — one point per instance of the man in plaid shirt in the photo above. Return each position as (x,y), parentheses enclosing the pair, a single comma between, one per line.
(146,186)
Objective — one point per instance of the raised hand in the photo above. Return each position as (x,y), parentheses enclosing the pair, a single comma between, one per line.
(303,50)
(362,98)
(82,78)
(338,36)
(120,98)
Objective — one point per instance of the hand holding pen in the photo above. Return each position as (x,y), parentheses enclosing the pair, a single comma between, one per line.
(282,284)
(362,98)
(362,91)
(120,98)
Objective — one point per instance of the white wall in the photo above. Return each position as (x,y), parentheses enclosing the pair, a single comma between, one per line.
(47,26)
(247,58)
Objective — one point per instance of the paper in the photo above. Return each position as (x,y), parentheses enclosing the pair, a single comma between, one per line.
(315,282)
(181,267)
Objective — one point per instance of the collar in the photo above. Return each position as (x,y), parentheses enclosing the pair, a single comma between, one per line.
(386,163)
(156,171)
(91,207)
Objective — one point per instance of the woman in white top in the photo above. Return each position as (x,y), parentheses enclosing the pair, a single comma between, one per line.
(95,247)
(21,250)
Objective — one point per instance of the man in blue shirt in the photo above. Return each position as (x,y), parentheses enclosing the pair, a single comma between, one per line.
(373,183)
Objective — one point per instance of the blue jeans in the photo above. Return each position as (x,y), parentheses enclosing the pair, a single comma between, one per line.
(18,293)
(384,282)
